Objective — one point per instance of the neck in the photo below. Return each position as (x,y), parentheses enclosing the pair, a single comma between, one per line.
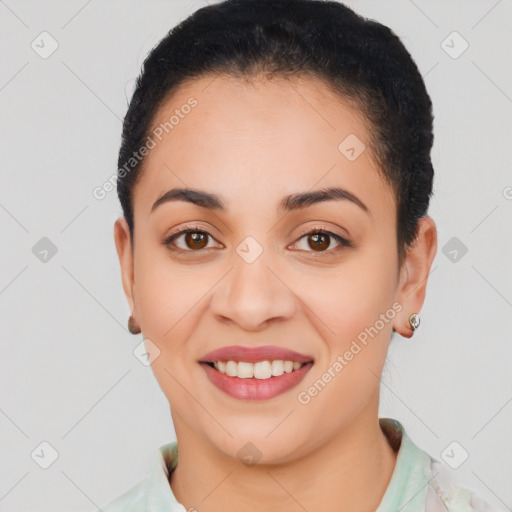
(350,471)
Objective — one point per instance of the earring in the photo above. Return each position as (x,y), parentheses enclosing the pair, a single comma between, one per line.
(134,329)
(414,321)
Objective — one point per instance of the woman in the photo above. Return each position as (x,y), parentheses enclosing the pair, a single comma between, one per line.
(275,177)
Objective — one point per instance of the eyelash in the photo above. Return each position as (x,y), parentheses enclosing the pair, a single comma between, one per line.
(313,231)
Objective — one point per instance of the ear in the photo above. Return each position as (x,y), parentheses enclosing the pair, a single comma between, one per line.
(125,254)
(414,274)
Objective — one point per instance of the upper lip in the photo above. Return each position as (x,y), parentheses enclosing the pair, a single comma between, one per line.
(254,354)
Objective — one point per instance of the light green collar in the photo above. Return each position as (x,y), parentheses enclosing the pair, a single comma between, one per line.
(407,489)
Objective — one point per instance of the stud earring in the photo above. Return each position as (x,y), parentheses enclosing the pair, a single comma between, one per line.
(134,329)
(414,321)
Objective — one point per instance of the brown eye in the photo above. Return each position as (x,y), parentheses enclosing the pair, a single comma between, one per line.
(319,240)
(194,240)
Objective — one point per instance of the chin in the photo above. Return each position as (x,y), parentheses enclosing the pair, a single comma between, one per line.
(261,442)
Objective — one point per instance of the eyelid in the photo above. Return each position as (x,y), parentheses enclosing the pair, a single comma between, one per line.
(187,227)
(323,228)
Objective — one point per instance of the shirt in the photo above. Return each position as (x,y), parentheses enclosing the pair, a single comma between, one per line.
(419,482)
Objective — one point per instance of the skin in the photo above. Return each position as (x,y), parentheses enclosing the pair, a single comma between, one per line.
(253,144)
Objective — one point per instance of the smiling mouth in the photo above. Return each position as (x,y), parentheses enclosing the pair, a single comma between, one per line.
(258,380)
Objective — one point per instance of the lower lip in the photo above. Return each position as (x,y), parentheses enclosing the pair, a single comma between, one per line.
(255,389)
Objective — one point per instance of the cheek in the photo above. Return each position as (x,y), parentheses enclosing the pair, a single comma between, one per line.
(345,302)
(166,296)
(168,302)
(347,313)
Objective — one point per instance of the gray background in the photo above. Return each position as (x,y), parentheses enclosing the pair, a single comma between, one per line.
(67,369)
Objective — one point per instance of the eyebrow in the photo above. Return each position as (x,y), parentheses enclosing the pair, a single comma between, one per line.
(289,203)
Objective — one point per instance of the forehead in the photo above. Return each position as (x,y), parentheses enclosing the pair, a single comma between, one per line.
(260,139)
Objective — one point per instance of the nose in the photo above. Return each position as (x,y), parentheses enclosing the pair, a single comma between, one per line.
(252,295)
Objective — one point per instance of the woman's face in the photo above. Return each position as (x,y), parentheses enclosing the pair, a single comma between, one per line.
(247,274)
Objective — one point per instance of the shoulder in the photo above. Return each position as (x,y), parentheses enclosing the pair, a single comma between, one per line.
(153,492)
(132,500)
(444,494)
(421,483)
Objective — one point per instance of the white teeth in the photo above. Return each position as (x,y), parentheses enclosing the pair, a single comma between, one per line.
(277,368)
(231,368)
(260,370)
(245,370)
